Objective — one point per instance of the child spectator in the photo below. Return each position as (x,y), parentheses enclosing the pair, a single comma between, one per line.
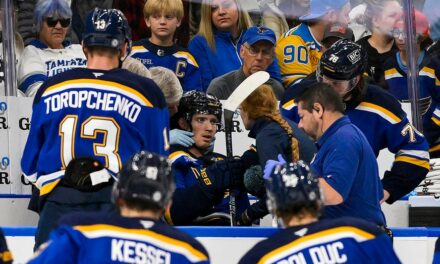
(163,17)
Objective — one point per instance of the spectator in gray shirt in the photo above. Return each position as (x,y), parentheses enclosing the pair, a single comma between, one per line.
(257,53)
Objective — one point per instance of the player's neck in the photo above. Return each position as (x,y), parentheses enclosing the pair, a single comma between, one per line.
(294,221)
(127,212)
(102,62)
(164,42)
(318,30)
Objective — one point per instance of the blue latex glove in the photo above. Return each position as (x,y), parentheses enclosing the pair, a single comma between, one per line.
(271,164)
(181,137)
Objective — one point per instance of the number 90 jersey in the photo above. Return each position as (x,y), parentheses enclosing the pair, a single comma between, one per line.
(108,115)
(298,54)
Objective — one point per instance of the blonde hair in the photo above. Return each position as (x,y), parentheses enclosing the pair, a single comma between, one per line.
(206,28)
(170,7)
(373,9)
(263,103)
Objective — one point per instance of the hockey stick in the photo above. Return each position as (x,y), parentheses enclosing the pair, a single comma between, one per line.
(240,93)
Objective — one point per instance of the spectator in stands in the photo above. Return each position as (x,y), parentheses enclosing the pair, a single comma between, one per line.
(282,14)
(299,50)
(257,52)
(216,46)
(203,177)
(163,17)
(50,53)
(276,138)
(380,18)
(396,72)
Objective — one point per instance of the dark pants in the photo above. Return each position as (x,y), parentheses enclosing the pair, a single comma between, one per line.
(65,200)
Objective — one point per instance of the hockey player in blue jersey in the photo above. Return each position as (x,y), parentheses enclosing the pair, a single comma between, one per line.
(203,177)
(375,112)
(295,198)
(132,235)
(163,17)
(100,111)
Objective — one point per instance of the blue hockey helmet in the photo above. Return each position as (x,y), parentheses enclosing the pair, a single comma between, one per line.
(146,177)
(292,187)
(107,28)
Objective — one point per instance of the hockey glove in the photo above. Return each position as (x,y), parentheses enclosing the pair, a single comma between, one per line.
(181,137)
(222,175)
(254,182)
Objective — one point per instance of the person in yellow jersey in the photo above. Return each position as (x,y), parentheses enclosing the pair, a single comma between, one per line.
(298,51)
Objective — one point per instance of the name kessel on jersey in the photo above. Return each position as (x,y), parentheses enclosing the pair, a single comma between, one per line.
(127,251)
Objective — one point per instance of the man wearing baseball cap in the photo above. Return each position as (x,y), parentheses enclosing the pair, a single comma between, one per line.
(298,51)
(257,52)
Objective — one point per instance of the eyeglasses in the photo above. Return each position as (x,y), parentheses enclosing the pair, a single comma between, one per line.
(266,53)
(52,22)
(398,32)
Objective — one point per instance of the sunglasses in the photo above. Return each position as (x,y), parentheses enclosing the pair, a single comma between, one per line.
(52,22)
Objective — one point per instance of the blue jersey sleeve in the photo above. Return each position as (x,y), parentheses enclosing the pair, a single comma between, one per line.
(61,248)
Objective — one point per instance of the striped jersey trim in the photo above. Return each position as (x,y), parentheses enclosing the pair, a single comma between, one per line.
(318,238)
(289,105)
(392,73)
(178,154)
(384,113)
(98,85)
(148,236)
(186,55)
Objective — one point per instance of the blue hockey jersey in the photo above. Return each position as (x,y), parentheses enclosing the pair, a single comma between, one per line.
(429,92)
(344,240)
(108,115)
(385,125)
(104,238)
(187,168)
(175,58)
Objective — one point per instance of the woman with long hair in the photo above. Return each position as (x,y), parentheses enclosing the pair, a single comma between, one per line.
(276,139)
(216,45)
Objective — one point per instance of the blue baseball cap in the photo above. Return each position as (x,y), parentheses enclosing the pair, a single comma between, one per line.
(257,33)
(319,8)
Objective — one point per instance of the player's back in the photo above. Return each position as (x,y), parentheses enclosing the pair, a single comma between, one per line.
(111,238)
(343,240)
(108,115)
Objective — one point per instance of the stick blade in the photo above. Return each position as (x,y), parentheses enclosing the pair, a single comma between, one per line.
(245,88)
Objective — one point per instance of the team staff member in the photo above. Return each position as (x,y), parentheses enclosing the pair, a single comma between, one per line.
(295,198)
(50,53)
(347,169)
(375,112)
(163,17)
(274,137)
(203,177)
(134,234)
(299,50)
(100,111)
